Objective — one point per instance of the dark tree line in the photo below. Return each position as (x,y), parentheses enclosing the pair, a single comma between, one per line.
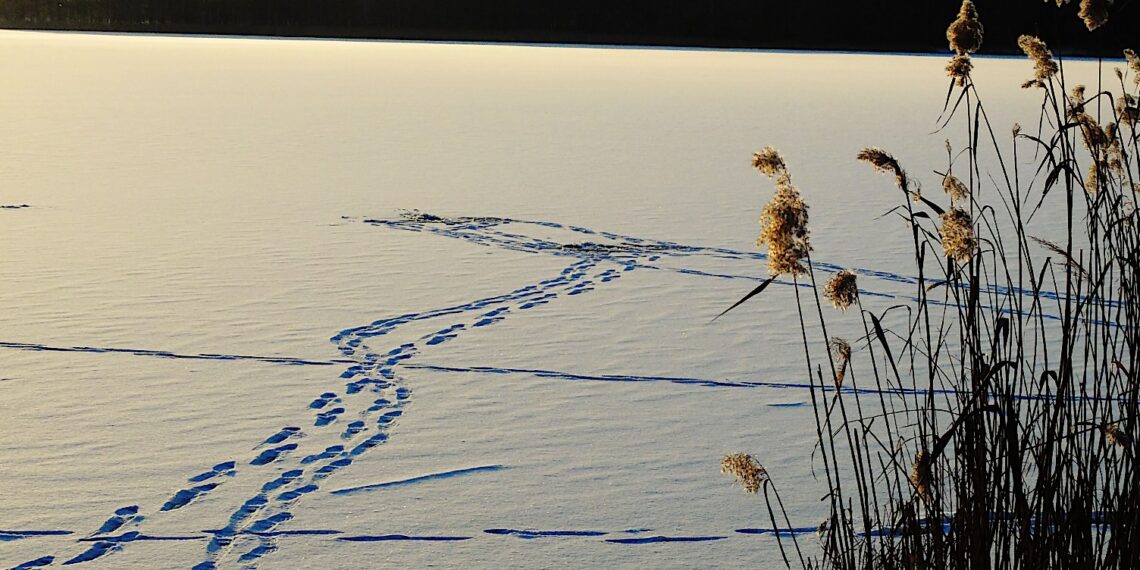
(893,25)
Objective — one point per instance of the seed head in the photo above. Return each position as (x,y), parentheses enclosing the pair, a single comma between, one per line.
(1127,110)
(959,68)
(1092,181)
(769,162)
(958,239)
(955,188)
(783,222)
(1114,435)
(841,351)
(1043,64)
(747,471)
(1077,99)
(841,290)
(921,475)
(1133,64)
(885,163)
(1094,13)
(965,32)
(1091,133)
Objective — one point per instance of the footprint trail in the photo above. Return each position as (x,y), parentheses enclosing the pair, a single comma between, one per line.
(358,411)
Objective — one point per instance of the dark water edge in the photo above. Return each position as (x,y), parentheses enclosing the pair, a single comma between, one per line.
(875,26)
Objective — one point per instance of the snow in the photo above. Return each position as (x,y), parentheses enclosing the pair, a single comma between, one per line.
(215,210)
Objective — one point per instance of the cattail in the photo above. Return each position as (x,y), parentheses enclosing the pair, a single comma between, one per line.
(1094,13)
(1043,64)
(841,351)
(841,290)
(1133,64)
(959,68)
(1032,83)
(955,188)
(965,32)
(769,162)
(885,163)
(1016,129)
(958,239)
(921,475)
(747,471)
(783,222)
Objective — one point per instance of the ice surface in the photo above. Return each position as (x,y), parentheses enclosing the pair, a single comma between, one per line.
(527,377)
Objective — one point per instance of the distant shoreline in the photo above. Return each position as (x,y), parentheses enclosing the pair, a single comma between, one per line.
(886,26)
(551,45)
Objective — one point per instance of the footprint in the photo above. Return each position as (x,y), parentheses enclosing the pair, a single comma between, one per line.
(368,444)
(271,455)
(323,400)
(267,524)
(352,429)
(98,550)
(389,417)
(296,494)
(326,418)
(121,517)
(226,468)
(284,479)
(327,470)
(186,496)
(37,563)
(329,452)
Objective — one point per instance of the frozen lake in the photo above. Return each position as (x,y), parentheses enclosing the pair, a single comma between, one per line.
(221,341)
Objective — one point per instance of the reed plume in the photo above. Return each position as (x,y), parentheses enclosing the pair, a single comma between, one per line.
(955,188)
(959,68)
(1043,64)
(1094,13)
(958,240)
(1114,435)
(965,32)
(769,162)
(1091,133)
(1127,110)
(841,290)
(841,351)
(784,220)
(1133,64)
(1092,181)
(885,163)
(921,475)
(747,471)
(1077,99)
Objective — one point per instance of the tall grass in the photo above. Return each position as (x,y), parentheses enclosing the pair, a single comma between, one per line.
(967,471)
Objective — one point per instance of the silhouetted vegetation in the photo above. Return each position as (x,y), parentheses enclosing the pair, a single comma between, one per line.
(1009,438)
(894,25)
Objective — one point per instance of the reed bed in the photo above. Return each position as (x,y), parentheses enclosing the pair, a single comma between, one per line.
(964,471)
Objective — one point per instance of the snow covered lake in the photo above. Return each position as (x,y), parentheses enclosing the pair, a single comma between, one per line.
(227,337)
